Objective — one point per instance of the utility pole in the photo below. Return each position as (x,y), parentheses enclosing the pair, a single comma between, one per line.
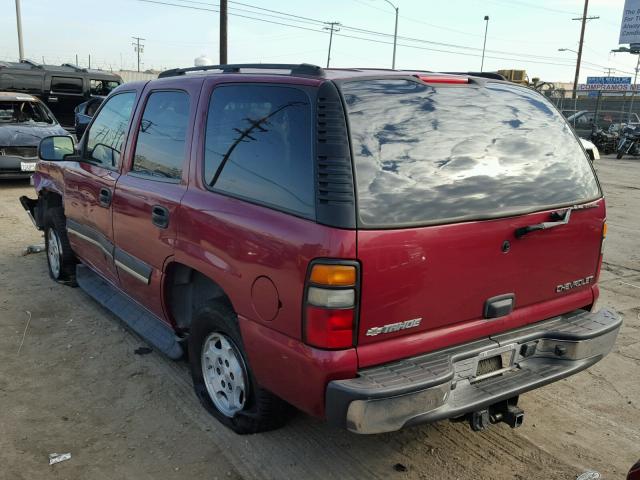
(333,27)
(19,21)
(609,70)
(77,60)
(136,46)
(484,45)
(90,62)
(584,19)
(223,32)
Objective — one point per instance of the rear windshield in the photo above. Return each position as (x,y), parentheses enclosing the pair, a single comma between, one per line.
(23,112)
(426,155)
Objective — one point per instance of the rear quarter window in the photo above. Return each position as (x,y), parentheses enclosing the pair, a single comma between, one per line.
(258,146)
(426,155)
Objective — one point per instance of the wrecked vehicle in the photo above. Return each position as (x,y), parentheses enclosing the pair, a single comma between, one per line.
(337,240)
(24,121)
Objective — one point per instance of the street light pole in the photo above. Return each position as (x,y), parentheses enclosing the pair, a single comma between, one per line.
(395,34)
(486,29)
(19,21)
(635,86)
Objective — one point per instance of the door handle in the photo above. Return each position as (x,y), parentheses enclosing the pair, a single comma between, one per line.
(160,216)
(105,197)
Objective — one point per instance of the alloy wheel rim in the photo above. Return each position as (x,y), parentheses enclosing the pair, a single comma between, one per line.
(224,374)
(54,250)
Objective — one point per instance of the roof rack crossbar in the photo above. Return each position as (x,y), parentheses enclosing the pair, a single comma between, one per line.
(296,69)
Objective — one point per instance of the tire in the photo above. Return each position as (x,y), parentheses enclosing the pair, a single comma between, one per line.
(60,258)
(619,155)
(224,367)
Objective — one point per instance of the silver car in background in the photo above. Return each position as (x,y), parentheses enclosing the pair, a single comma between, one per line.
(24,121)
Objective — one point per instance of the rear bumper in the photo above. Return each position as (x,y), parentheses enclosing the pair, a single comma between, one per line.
(445,384)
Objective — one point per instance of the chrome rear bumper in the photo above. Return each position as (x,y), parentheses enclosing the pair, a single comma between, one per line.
(449,383)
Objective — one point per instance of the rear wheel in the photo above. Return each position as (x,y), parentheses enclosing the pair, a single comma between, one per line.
(60,258)
(222,377)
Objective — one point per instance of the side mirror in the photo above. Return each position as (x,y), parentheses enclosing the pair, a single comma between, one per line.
(56,148)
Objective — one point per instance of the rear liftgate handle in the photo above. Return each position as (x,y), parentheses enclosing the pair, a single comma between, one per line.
(562,219)
(160,216)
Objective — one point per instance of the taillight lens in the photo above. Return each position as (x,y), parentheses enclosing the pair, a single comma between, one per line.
(330,305)
(327,328)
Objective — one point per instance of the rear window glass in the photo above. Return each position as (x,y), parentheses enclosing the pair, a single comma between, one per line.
(428,155)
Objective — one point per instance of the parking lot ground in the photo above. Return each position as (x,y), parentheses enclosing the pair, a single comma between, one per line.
(76,386)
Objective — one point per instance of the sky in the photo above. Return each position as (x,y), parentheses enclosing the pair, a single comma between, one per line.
(437,35)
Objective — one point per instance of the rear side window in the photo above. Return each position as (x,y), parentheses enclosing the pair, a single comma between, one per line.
(66,85)
(258,146)
(160,148)
(426,155)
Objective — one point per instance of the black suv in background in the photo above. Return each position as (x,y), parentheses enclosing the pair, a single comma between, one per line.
(61,87)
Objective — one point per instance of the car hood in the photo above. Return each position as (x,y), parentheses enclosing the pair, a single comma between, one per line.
(14,135)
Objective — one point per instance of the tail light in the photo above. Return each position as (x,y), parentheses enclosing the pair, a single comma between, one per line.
(330,304)
(604,237)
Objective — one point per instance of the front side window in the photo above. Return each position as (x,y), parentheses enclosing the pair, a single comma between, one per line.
(426,155)
(66,85)
(160,148)
(108,131)
(258,146)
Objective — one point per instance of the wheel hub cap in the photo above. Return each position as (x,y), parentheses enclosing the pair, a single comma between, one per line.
(54,250)
(224,374)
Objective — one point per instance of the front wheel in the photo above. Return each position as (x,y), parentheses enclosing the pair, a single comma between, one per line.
(60,258)
(619,154)
(221,375)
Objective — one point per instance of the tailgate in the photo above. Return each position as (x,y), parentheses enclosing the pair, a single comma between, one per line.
(444,275)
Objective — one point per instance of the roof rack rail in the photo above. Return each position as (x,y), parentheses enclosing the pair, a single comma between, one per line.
(31,62)
(296,69)
(75,67)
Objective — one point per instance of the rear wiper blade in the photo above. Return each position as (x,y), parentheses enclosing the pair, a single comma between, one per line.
(560,219)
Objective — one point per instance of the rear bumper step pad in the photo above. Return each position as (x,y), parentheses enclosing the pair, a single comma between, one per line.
(445,384)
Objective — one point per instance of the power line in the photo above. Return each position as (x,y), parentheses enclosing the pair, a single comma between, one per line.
(371,32)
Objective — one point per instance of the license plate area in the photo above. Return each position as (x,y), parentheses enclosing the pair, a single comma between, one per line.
(28,166)
(494,362)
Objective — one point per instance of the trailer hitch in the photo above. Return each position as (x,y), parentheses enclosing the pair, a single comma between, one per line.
(507,412)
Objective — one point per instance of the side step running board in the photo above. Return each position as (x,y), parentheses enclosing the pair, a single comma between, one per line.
(141,321)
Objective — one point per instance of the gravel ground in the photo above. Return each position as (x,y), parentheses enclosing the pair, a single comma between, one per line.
(72,383)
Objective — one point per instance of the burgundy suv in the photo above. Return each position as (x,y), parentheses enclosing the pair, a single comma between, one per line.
(378,248)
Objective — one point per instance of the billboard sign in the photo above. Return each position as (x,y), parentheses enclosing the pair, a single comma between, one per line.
(630,27)
(613,84)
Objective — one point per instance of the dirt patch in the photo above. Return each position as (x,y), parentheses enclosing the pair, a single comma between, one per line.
(77,386)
